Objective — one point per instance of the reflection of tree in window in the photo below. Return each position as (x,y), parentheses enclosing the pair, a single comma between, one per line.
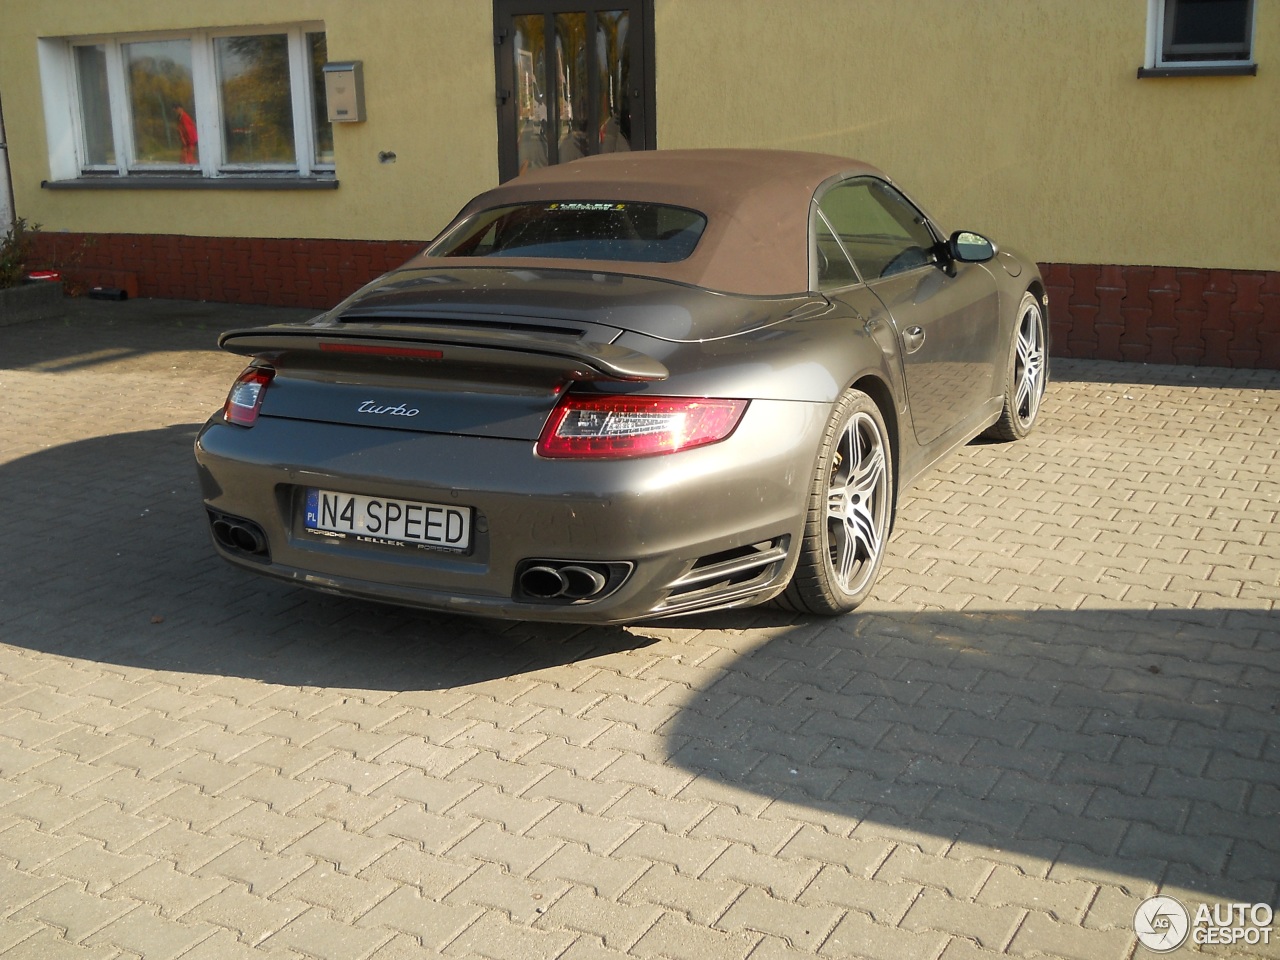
(614,66)
(257,106)
(571,65)
(531,108)
(571,79)
(159,81)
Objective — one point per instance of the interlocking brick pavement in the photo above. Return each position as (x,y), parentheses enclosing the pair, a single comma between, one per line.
(1062,699)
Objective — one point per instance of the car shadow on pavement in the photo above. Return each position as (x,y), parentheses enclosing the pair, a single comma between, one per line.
(1116,742)
(1108,742)
(107,557)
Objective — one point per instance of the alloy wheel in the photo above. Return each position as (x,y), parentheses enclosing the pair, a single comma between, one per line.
(1029,364)
(857,503)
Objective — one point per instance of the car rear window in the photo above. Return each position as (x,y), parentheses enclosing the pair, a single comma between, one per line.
(577,230)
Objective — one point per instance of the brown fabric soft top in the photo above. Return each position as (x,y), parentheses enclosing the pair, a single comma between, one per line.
(756,203)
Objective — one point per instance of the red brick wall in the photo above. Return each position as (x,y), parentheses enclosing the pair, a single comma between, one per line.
(294,273)
(1221,318)
(1226,318)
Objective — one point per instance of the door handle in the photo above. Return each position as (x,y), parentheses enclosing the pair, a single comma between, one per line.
(913,338)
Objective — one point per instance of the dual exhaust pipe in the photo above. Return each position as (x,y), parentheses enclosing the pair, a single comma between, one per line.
(568,581)
(243,536)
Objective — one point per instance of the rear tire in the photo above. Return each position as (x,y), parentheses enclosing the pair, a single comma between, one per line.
(850,512)
(1027,375)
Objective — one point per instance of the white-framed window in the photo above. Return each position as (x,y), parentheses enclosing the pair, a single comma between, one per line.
(205,103)
(1200,36)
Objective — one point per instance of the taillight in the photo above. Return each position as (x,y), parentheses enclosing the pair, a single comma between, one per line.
(635,426)
(245,398)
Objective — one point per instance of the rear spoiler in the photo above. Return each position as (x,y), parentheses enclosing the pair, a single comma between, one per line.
(571,358)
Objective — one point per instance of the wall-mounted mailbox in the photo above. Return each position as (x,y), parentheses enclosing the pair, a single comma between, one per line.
(344,91)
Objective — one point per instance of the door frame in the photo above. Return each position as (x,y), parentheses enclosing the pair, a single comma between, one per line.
(640,40)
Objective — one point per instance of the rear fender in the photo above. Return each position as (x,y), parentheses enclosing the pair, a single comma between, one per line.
(812,357)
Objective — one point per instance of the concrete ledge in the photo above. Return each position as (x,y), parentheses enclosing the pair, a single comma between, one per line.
(1217,70)
(30,301)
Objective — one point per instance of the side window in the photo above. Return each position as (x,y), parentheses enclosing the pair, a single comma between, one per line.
(833,265)
(878,226)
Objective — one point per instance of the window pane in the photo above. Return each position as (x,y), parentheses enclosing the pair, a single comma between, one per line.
(257,106)
(161,102)
(834,268)
(529,51)
(882,231)
(1207,29)
(318,49)
(571,79)
(614,65)
(95,106)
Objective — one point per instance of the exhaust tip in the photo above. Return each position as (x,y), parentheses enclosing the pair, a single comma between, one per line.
(249,539)
(543,582)
(568,581)
(582,582)
(238,535)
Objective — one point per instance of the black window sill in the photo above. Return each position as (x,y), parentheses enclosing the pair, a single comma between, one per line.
(1225,70)
(182,182)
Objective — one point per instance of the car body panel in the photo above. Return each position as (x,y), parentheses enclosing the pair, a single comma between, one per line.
(607,297)
(950,362)
(663,513)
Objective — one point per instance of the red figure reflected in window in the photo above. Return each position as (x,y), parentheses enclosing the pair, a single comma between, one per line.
(186,133)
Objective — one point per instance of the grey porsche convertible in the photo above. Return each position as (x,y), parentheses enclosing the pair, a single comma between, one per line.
(628,387)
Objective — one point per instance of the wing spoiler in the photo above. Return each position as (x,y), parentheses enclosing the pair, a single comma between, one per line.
(562,355)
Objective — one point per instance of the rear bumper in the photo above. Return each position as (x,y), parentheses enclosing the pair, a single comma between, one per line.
(707,528)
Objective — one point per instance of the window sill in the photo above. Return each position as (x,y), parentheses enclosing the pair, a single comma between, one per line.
(1223,70)
(181,182)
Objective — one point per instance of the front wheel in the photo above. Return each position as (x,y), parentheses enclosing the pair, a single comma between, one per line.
(850,512)
(1027,374)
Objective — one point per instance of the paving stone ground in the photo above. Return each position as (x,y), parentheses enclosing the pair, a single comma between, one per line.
(1062,700)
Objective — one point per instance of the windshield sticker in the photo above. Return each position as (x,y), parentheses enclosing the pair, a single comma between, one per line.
(587,206)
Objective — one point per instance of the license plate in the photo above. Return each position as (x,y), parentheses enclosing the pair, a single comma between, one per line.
(434,525)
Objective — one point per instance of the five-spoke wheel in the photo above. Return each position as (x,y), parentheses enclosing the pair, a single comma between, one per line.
(850,511)
(1027,374)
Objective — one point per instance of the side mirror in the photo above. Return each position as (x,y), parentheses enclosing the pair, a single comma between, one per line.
(969,247)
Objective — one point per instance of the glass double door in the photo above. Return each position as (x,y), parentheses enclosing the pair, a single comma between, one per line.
(572,80)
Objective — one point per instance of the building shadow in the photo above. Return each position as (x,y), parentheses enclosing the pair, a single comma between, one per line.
(1066,370)
(131,334)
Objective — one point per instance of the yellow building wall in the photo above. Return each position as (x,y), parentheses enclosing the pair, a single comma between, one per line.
(1018,118)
